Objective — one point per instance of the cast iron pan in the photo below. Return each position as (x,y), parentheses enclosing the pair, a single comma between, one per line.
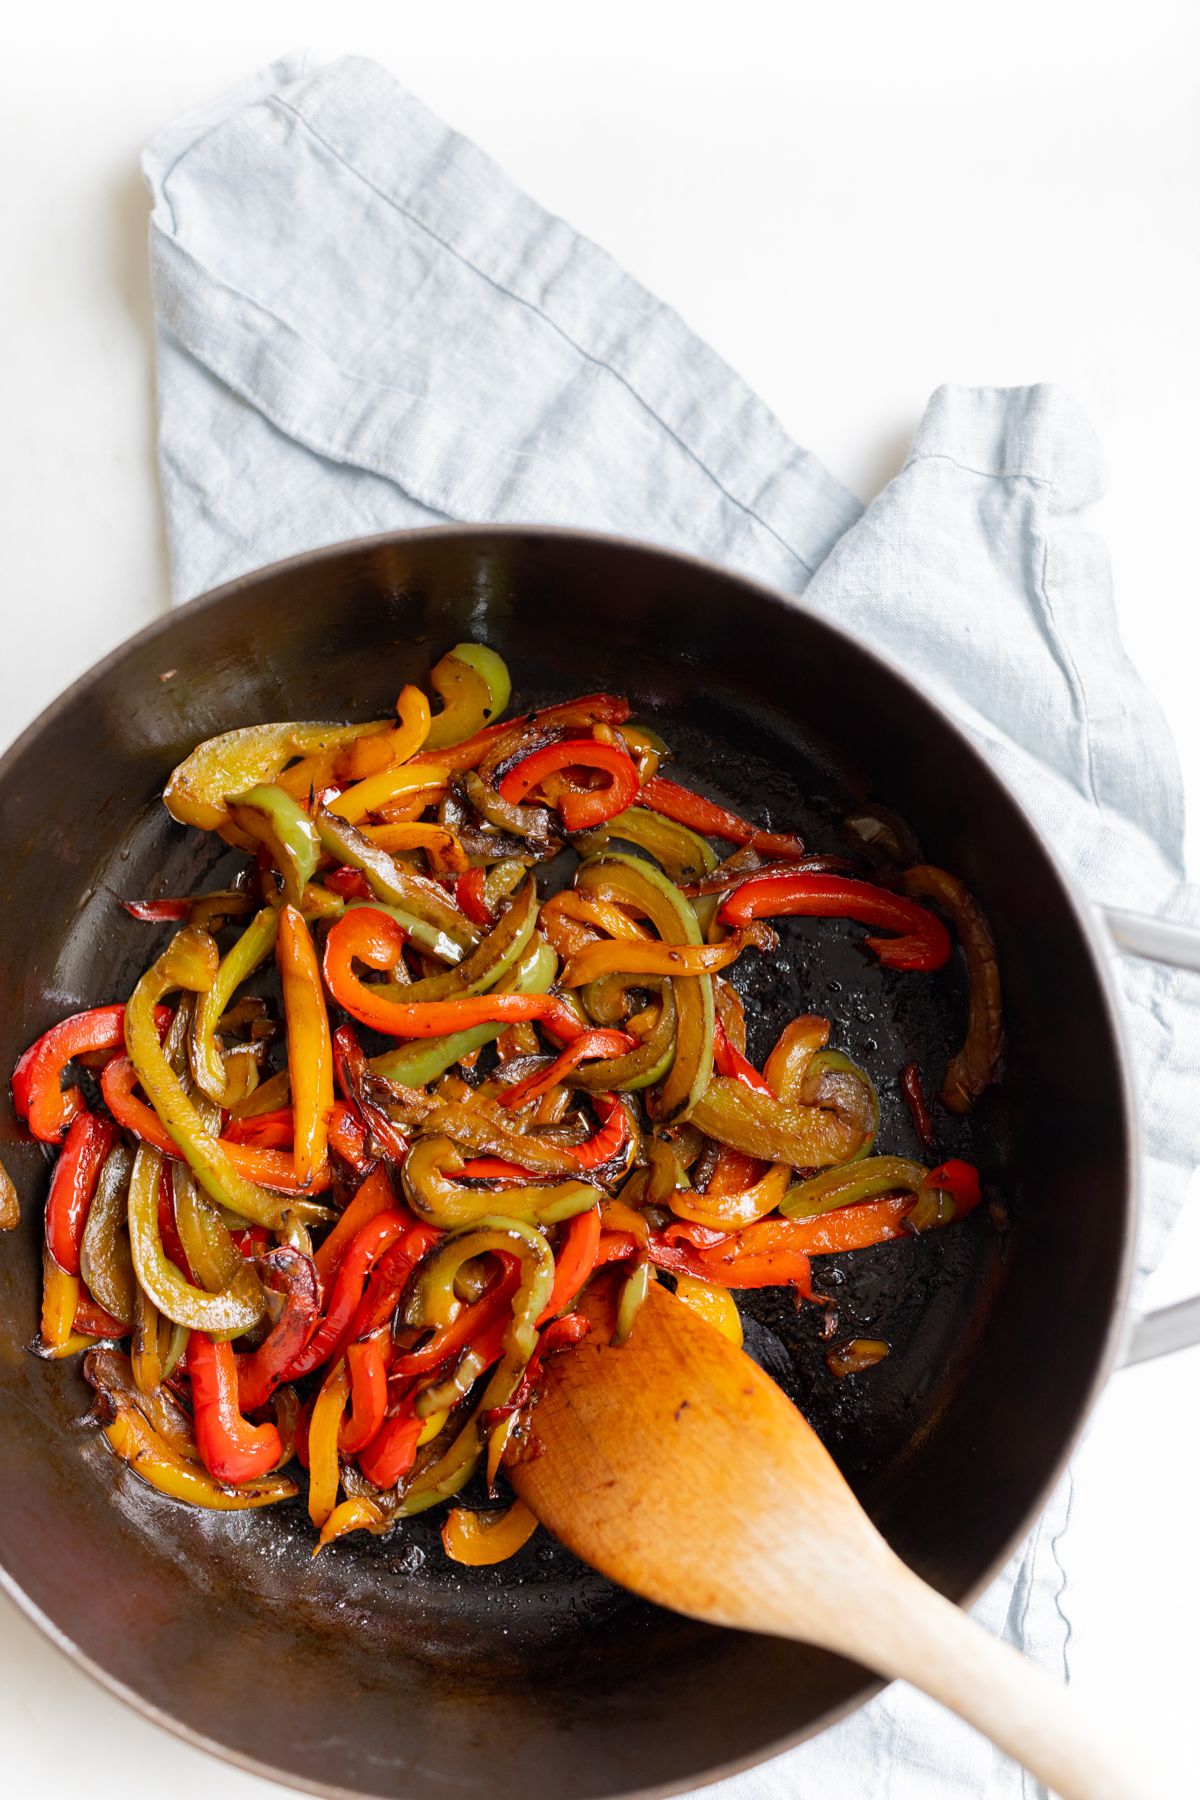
(381,1669)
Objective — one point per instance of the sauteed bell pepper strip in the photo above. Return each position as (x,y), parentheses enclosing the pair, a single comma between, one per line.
(650,959)
(682,853)
(491,959)
(387,1459)
(973,1068)
(471,898)
(580,810)
(734,1211)
(310,1047)
(237,760)
(60,1298)
(918,1108)
(271,818)
(331,1331)
(373,1197)
(88,1142)
(388,1280)
(395,883)
(253,948)
(236,1308)
(729,1061)
(360,1514)
(324,1428)
(38,1095)
(139,1445)
(290,1273)
(418,1063)
(588,1046)
(366,1366)
(371,937)
(758,1124)
(468,1326)
(713,1303)
(706,817)
(922,941)
(480,1539)
(435,1196)
(230,1447)
(853,1182)
(354,1079)
(105,1261)
(363,797)
(475,688)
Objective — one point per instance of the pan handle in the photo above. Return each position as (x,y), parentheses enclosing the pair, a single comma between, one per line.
(1154,940)
(1158,940)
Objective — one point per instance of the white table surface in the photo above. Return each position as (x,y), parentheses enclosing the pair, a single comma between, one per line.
(853,204)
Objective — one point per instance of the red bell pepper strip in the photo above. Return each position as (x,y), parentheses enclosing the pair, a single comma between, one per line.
(168,1230)
(494,1306)
(94,1321)
(157,912)
(745,1259)
(588,1044)
(331,1332)
(615,1246)
(914,1099)
(348,1137)
(389,1278)
(711,820)
(368,1396)
(36,1083)
(269,1130)
(922,941)
(72,1185)
(269,1168)
(252,1241)
(494,1168)
(728,1060)
(352,884)
(574,1260)
(230,1447)
(961,1181)
(392,1453)
(579,811)
(350,1064)
(612,1137)
(375,1196)
(562,1334)
(290,1273)
(470,899)
(373,938)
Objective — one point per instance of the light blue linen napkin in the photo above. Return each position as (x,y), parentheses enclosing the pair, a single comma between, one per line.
(362,325)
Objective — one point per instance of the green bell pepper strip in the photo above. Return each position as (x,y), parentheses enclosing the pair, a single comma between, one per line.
(832,1080)
(806,1137)
(475,688)
(212,1255)
(190,961)
(280,824)
(392,881)
(251,950)
(421,1061)
(638,1068)
(633,1297)
(425,936)
(490,960)
(434,1303)
(851,1182)
(105,1261)
(237,1308)
(683,854)
(631,881)
(435,1195)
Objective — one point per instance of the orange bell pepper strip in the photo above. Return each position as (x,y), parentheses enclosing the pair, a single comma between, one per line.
(440,844)
(574,1260)
(366,1365)
(231,1449)
(711,820)
(588,1044)
(375,1196)
(479,1539)
(649,958)
(324,1470)
(40,1099)
(922,941)
(309,1044)
(88,1142)
(348,1515)
(371,937)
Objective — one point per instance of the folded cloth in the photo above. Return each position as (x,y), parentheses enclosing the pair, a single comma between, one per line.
(363,325)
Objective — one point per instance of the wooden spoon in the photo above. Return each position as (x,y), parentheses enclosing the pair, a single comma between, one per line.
(675,1466)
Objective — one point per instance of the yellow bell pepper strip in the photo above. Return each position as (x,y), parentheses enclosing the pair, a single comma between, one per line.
(850,1183)
(237,1307)
(190,962)
(579,809)
(489,962)
(253,948)
(713,1303)
(973,1068)
(651,958)
(440,844)
(10,1204)
(110,1372)
(237,760)
(922,941)
(363,796)
(380,746)
(733,1211)
(480,1539)
(289,1273)
(270,817)
(632,882)
(417,1064)
(230,1447)
(805,1137)
(788,1064)
(605,915)
(433,1176)
(359,1514)
(324,1469)
(209,1253)
(151,1337)
(105,1261)
(633,1297)
(369,936)
(309,1044)
(139,1445)
(393,882)
(60,1297)
(710,820)
(88,1142)
(38,1095)
(595,1045)
(853,1357)
(475,688)
(683,854)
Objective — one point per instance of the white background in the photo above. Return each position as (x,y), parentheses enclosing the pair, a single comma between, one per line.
(853,204)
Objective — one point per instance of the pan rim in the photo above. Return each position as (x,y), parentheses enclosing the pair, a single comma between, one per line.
(1076,908)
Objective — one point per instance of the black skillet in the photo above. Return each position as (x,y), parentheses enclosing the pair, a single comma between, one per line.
(381,1669)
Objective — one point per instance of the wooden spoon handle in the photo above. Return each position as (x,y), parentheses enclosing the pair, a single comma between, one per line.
(916,1635)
